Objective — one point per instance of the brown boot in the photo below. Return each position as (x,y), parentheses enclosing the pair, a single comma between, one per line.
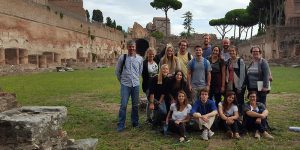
(257,134)
(237,136)
(229,134)
(267,135)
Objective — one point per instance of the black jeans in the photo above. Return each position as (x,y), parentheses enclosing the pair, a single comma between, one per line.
(177,128)
(251,125)
(233,127)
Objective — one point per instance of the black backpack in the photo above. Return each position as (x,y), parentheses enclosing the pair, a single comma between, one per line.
(123,63)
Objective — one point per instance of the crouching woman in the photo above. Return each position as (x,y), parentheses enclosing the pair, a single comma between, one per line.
(178,116)
(229,115)
(255,116)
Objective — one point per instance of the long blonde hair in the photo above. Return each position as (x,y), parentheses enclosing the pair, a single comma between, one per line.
(160,74)
(165,58)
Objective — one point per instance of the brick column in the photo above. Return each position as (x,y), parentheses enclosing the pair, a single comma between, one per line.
(23,56)
(90,57)
(42,61)
(2,56)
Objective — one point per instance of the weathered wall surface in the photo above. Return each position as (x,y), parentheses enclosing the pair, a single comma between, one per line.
(278,42)
(39,29)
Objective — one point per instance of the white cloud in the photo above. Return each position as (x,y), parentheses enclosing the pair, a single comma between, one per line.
(125,13)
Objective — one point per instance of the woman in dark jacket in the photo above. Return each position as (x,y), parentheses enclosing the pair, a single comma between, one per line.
(150,69)
(217,83)
(175,84)
(159,101)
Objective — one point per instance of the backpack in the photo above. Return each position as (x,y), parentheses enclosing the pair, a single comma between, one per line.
(123,63)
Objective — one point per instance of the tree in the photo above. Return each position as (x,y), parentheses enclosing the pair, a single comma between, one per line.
(165,5)
(242,19)
(108,22)
(87,15)
(114,24)
(183,34)
(222,25)
(119,28)
(188,18)
(268,12)
(158,35)
(97,16)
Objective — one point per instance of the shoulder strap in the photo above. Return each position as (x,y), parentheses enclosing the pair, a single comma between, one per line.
(205,67)
(123,63)
(205,64)
(193,64)
(189,56)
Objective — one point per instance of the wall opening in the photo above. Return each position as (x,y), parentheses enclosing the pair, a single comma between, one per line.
(33,59)
(57,58)
(94,57)
(49,56)
(12,56)
(297,50)
(141,46)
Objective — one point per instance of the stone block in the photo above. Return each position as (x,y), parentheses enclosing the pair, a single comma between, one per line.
(7,101)
(32,127)
(83,144)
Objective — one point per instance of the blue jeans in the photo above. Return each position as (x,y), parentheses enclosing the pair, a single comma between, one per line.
(125,93)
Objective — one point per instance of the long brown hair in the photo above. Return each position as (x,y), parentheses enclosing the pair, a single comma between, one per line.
(184,102)
(226,105)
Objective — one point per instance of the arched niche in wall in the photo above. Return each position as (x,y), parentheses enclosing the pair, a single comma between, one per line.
(141,46)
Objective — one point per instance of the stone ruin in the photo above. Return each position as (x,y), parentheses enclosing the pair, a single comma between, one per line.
(36,127)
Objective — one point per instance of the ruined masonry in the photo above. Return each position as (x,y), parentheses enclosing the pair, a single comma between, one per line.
(36,127)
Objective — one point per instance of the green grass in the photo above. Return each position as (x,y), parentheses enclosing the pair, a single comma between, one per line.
(285,80)
(92,98)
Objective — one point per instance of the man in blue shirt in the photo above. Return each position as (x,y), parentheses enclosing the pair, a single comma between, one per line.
(204,112)
(207,51)
(128,69)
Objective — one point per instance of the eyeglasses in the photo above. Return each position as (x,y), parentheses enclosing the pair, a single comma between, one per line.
(255,51)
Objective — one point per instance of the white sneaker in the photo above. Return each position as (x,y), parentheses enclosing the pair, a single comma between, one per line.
(210,133)
(205,134)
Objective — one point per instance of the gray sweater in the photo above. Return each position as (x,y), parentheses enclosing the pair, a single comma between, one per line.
(258,71)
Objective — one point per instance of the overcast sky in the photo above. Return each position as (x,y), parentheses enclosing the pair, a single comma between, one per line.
(126,12)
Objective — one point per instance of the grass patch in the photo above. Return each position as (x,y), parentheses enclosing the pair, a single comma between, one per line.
(92,98)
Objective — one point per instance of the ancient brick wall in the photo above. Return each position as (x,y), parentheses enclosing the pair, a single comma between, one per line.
(39,28)
(160,24)
(278,42)
(292,12)
(75,6)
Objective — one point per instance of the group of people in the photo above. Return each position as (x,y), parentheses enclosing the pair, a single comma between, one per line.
(183,89)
